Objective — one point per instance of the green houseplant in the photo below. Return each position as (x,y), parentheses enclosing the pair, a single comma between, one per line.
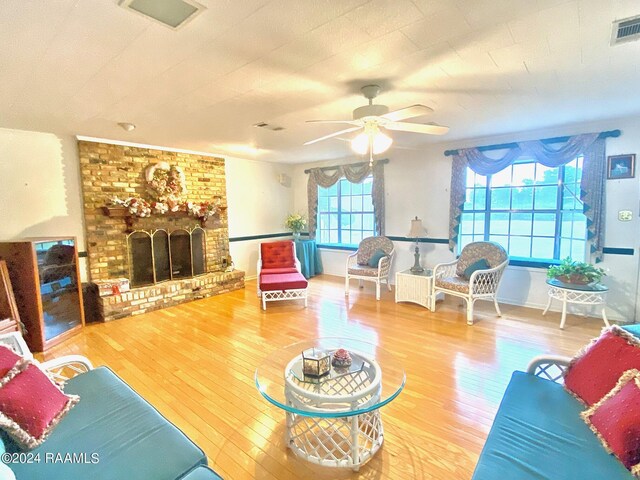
(575,272)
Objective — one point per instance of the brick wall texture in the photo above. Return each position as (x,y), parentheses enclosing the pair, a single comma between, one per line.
(117,170)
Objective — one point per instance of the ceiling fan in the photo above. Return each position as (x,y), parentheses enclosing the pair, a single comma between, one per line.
(373,118)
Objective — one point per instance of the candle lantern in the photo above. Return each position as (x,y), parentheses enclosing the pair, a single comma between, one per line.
(315,363)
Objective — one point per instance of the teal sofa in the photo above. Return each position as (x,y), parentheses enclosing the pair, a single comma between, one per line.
(112,434)
(538,433)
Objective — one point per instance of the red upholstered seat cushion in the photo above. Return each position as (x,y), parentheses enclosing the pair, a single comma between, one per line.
(616,420)
(277,254)
(282,281)
(271,271)
(594,373)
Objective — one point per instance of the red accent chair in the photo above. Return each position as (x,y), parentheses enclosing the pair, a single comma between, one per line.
(279,273)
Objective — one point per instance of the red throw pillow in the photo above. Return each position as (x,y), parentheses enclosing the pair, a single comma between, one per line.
(593,373)
(31,405)
(616,420)
(8,360)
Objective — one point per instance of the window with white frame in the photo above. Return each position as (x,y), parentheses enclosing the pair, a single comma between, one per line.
(345,212)
(533,211)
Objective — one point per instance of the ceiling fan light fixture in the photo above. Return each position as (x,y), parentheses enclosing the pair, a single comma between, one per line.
(360,144)
(381,143)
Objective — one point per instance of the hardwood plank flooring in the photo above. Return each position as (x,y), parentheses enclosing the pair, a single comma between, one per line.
(195,363)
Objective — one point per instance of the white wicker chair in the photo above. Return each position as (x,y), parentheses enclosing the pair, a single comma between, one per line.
(358,263)
(481,285)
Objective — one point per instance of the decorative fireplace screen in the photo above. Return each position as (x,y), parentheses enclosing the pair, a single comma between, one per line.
(159,255)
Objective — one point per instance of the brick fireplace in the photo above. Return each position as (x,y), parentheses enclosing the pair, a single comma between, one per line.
(108,171)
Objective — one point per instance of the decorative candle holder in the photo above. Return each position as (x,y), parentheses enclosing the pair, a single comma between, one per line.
(315,363)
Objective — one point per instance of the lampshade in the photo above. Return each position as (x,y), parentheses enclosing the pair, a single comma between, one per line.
(417,230)
(372,136)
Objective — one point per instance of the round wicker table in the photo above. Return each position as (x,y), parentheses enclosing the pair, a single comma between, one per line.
(592,294)
(332,420)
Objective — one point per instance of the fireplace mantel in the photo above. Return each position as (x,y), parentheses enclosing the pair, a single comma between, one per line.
(130,220)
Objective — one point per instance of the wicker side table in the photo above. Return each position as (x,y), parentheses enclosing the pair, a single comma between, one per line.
(577,294)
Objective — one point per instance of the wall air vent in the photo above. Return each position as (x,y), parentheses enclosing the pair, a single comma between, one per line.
(170,13)
(275,128)
(626,30)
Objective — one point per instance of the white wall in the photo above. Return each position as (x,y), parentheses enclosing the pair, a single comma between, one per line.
(417,183)
(40,194)
(258,204)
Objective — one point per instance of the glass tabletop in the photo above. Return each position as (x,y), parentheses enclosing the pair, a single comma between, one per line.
(367,379)
(427,272)
(590,287)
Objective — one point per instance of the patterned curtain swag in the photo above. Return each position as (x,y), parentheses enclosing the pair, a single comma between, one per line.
(592,186)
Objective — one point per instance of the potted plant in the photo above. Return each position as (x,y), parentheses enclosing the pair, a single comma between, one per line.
(295,222)
(575,272)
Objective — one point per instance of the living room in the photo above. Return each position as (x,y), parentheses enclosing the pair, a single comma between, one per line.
(90,86)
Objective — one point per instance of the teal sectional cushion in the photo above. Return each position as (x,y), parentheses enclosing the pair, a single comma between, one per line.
(481,264)
(375,258)
(114,434)
(633,329)
(201,473)
(538,435)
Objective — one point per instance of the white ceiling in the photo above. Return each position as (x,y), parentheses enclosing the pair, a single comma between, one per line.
(485,66)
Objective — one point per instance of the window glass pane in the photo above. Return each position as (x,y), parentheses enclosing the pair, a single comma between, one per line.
(521,224)
(323,204)
(520,246)
(542,248)
(333,189)
(466,224)
(366,186)
(569,197)
(522,198)
(345,204)
(333,204)
(478,223)
(565,248)
(480,199)
(570,173)
(546,197)
(523,174)
(356,189)
(333,221)
(579,225)
(324,236)
(367,203)
(475,180)
(544,224)
(501,239)
(323,224)
(502,178)
(566,229)
(500,198)
(356,221)
(367,221)
(333,236)
(464,240)
(499,224)
(468,202)
(578,250)
(322,192)
(345,187)
(546,175)
(356,203)
(356,237)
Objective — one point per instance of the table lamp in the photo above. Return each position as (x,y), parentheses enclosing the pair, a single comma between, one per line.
(417,231)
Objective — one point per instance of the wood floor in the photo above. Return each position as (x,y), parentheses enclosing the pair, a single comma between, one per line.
(195,363)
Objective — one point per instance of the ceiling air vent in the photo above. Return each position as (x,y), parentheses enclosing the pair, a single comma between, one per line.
(170,13)
(275,128)
(626,30)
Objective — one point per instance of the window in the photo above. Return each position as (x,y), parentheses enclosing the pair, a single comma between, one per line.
(345,212)
(533,211)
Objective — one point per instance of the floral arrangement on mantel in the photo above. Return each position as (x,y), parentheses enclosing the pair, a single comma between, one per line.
(295,222)
(166,185)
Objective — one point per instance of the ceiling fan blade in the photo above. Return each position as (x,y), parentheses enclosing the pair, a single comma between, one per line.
(350,122)
(417,128)
(334,134)
(408,112)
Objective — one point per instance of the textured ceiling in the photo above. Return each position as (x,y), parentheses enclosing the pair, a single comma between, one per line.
(485,67)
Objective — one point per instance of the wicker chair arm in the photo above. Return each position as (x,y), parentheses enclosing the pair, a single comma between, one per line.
(445,269)
(64,368)
(551,367)
(486,281)
(384,264)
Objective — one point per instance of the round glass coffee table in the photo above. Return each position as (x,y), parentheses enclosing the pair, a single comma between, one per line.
(333,419)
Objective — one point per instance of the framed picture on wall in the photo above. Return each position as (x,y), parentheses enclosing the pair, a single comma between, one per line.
(621,166)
